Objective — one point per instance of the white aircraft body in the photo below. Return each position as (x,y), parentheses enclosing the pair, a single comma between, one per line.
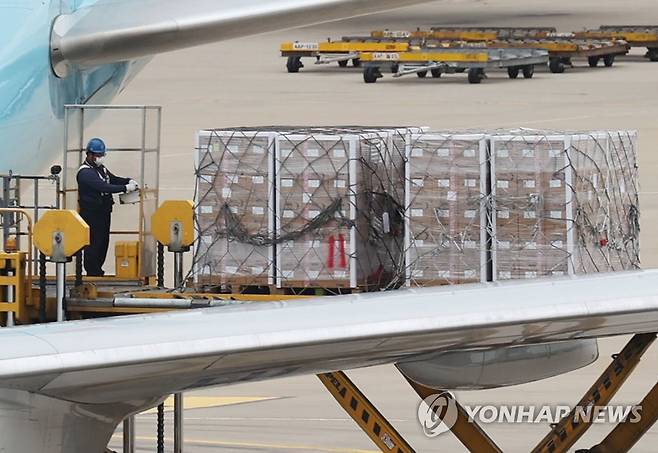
(65,387)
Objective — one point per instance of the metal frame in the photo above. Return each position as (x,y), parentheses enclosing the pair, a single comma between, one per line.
(11,183)
(567,432)
(78,157)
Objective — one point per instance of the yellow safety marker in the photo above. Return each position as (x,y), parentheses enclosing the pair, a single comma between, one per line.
(469,433)
(565,433)
(408,57)
(627,433)
(61,232)
(364,413)
(17,282)
(205,402)
(173,223)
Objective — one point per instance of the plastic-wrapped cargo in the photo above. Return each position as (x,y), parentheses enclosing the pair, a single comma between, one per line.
(445,215)
(300,207)
(234,207)
(563,204)
(345,208)
(338,222)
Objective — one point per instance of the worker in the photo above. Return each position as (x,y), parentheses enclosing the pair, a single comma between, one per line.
(96,184)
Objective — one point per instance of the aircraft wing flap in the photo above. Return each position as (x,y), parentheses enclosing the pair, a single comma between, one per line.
(149,355)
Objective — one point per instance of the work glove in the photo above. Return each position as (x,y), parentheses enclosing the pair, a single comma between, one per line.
(132,181)
(131,186)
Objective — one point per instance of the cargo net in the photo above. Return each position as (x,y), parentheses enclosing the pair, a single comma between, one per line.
(300,209)
(353,208)
(563,204)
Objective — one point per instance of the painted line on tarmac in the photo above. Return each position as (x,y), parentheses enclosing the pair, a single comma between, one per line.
(281,419)
(205,402)
(261,446)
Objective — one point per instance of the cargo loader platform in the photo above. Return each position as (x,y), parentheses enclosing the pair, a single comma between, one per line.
(438,61)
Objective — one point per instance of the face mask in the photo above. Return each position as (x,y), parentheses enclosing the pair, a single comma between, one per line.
(100,160)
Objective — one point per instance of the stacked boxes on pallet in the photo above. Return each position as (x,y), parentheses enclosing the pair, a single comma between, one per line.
(446,209)
(563,204)
(317,218)
(338,226)
(373,208)
(235,211)
(531,199)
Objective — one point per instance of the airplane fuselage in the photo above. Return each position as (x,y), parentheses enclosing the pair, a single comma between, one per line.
(32,98)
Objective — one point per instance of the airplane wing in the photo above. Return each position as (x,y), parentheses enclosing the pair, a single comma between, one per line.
(108,31)
(136,357)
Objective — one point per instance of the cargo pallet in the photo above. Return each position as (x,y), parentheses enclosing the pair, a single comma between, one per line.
(340,52)
(245,285)
(634,35)
(453,60)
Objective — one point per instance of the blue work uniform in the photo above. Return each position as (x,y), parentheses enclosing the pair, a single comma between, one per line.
(96,184)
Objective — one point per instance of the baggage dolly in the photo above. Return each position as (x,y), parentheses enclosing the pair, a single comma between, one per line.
(634,35)
(340,52)
(562,49)
(440,61)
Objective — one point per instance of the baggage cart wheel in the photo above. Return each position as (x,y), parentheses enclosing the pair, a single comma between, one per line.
(371,74)
(513,72)
(556,66)
(652,53)
(436,73)
(593,61)
(528,71)
(294,64)
(421,74)
(395,68)
(342,63)
(356,62)
(609,60)
(475,75)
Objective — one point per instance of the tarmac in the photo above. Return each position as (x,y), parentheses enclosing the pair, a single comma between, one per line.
(244,83)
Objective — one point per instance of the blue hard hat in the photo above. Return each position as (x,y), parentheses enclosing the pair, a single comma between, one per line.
(96,146)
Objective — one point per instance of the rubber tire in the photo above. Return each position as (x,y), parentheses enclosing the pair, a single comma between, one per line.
(356,62)
(608,61)
(556,66)
(294,64)
(528,71)
(652,54)
(421,74)
(371,74)
(475,75)
(436,73)
(343,63)
(513,72)
(593,61)
(395,68)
